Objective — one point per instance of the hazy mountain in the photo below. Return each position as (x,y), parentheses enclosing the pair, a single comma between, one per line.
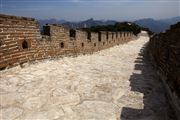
(171,21)
(154,25)
(51,21)
(82,24)
(157,25)
(89,23)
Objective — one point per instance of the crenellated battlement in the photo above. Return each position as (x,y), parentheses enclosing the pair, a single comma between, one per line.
(21,41)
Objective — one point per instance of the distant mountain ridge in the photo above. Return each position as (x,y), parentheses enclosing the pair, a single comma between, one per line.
(88,23)
(156,26)
(153,25)
(171,20)
(82,24)
(52,21)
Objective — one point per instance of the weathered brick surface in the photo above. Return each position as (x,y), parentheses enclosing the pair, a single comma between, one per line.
(165,51)
(21,41)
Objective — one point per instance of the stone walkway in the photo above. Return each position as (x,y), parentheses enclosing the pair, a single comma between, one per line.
(113,84)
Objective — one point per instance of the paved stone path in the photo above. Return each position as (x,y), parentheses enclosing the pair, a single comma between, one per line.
(117,83)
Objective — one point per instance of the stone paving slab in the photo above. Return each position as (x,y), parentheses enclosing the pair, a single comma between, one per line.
(88,87)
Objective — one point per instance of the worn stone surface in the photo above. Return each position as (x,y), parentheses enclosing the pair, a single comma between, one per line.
(112,84)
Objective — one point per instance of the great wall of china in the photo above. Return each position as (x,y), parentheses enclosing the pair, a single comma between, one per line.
(21,41)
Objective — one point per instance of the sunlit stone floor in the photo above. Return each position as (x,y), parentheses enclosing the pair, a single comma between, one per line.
(116,83)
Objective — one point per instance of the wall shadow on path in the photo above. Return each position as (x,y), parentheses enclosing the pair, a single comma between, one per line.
(155,103)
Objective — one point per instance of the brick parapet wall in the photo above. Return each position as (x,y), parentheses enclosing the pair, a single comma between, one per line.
(21,41)
(164,49)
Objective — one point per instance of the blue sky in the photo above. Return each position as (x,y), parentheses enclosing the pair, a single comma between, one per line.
(75,10)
